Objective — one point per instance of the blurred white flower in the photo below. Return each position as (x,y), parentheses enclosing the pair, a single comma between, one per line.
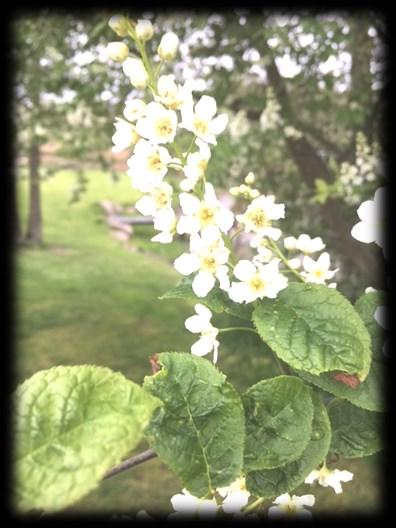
(134,109)
(257,281)
(371,228)
(172,95)
(304,243)
(291,506)
(198,215)
(120,25)
(158,124)
(168,46)
(165,223)
(125,136)
(195,166)
(317,271)
(258,216)
(144,29)
(250,178)
(201,121)
(327,477)
(200,324)
(159,197)
(235,496)
(148,165)
(187,505)
(135,70)
(117,51)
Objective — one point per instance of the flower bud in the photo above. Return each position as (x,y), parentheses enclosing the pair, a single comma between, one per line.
(120,25)
(168,46)
(144,29)
(135,70)
(250,178)
(117,51)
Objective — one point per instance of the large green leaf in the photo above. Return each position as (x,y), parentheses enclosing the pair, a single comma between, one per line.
(355,432)
(369,394)
(200,431)
(274,482)
(72,425)
(216,300)
(315,329)
(279,414)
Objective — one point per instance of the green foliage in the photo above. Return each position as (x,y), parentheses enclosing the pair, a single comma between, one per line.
(199,433)
(355,432)
(279,414)
(315,329)
(274,482)
(72,425)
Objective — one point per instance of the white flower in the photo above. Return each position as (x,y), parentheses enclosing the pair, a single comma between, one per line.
(291,506)
(158,125)
(372,225)
(208,256)
(167,48)
(294,263)
(134,109)
(159,197)
(165,222)
(148,165)
(200,324)
(195,166)
(235,496)
(259,243)
(201,121)
(125,136)
(258,216)
(306,244)
(135,70)
(186,505)
(257,281)
(290,243)
(198,215)
(117,51)
(144,29)
(120,25)
(327,477)
(172,95)
(250,178)
(317,271)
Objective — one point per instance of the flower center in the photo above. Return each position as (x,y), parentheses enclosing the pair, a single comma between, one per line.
(202,164)
(258,218)
(154,162)
(164,127)
(319,273)
(201,126)
(256,283)
(206,215)
(208,263)
(161,199)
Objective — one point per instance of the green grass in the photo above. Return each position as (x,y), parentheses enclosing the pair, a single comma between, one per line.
(83,298)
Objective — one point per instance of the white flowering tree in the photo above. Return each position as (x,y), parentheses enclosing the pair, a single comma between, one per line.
(233,451)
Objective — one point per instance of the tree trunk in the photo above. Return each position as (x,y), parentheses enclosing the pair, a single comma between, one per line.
(34,228)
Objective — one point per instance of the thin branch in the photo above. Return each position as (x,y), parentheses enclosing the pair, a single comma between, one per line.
(131,462)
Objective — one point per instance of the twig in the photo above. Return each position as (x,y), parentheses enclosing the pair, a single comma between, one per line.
(131,462)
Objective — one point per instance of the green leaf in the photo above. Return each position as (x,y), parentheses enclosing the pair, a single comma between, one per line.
(315,329)
(369,394)
(279,414)
(216,300)
(73,424)
(274,482)
(200,431)
(355,432)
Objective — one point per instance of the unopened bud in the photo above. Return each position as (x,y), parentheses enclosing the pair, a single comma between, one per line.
(168,46)
(135,70)
(250,178)
(117,51)
(120,25)
(144,29)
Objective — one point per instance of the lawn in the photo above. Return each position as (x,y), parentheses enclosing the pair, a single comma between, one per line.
(83,298)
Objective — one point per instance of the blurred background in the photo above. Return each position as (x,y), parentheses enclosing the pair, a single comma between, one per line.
(304,97)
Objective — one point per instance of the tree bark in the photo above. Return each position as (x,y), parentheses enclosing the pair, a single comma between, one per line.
(34,227)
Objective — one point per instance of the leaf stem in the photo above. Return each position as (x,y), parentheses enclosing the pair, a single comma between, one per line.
(253,505)
(235,328)
(279,253)
(131,462)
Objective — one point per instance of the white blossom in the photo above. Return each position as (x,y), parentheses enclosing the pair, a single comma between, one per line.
(167,48)
(200,324)
(250,178)
(304,243)
(195,167)
(165,223)
(144,29)
(148,165)
(291,506)
(264,253)
(208,256)
(200,119)
(134,109)
(327,477)
(235,496)
(317,271)
(200,214)
(125,136)
(120,25)
(158,124)
(137,73)
(257,281)
(186,505)
(259,214)
(372,221)
(159,197)
(170,94)
(117,51)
